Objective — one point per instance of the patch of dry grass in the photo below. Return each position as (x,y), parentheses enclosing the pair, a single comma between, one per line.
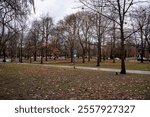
(20,81)
(130,65)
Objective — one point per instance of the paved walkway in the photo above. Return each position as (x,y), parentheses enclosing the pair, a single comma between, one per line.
(100,69)
(94,68)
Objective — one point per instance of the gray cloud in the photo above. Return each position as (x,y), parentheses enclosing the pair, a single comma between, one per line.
(57,9)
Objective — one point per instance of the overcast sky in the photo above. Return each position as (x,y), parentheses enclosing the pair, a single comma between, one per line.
(57,9)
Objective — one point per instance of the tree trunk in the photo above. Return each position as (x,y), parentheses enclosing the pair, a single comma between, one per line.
(113,58)
(4,54)
(11,58)
(71,53)
(99,42)
(123,69)
(46,51)
(21,41)
(11,53)
(99,55)
(142,47)
(83,56)
(30,58)
(114,41)
(46,54)
(89,56)
(42,55)
(35,55)
(89,53)
(21,54)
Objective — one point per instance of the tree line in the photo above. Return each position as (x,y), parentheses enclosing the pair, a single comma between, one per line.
(103,29)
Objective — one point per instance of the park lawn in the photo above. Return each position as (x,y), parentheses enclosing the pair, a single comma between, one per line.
(130,65)
(25,81)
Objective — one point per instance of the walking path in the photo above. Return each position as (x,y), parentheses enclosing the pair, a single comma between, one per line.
(94,68)
(100,69)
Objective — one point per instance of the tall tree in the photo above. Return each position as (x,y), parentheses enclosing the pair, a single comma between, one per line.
(71,31)
(47,27)
(35,35)
(121,8)
(11,12)
(142,19)
(84,32)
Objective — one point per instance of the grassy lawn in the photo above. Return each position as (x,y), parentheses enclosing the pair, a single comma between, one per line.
(130,65)
(20,81)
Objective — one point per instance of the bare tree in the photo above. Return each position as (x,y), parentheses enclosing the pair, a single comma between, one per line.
(35,35)
(11,11)
(147,27)
(71,31)
(142,20)
(84,32)
(121,8)
(99,9)
(47,27)
(23,29)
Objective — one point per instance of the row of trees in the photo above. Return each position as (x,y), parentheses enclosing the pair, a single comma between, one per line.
(12,15)
(103,29)
(118,12)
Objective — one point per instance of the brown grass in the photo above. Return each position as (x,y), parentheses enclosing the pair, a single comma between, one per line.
(19,81)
